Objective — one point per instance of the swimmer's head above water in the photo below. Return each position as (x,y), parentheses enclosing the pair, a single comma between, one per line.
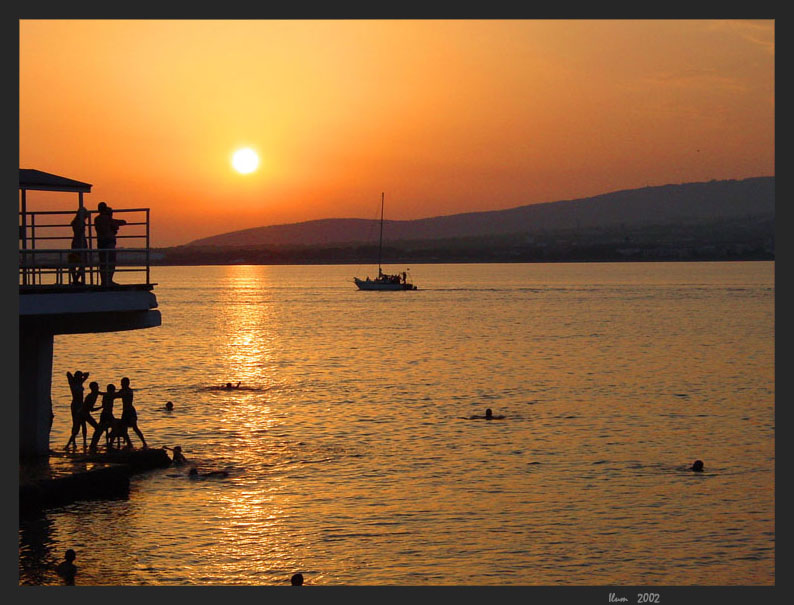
(697,466)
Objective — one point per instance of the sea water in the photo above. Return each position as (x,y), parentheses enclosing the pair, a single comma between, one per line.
(350,451)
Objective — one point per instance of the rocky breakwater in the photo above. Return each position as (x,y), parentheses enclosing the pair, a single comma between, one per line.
(63,478)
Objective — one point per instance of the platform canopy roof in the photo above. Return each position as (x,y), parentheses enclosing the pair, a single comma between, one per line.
(44,181)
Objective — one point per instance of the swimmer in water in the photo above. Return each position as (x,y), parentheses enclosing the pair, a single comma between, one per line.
(228,385)
(697,466)
(488,416)
(66,568)
(297,579)
(194,474)
(169,406)
(178,458)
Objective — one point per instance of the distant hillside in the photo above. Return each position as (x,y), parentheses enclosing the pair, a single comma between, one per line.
(676,205)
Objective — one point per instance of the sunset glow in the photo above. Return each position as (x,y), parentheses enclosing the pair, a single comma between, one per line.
(446,116)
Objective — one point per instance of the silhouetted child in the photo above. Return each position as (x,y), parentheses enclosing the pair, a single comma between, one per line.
(129,417)
(106,417)
(66,568)
(297,579)
(178,458)
(89,403)
(84,414)
(76,386)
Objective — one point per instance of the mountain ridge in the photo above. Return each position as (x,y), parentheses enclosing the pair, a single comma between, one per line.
(686,203)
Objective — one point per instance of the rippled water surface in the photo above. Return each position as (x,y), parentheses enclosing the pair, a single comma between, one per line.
(351,457)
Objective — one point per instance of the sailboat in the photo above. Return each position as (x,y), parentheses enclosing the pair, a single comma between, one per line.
(384,281)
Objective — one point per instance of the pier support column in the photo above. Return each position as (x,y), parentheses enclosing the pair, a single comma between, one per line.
(35,397)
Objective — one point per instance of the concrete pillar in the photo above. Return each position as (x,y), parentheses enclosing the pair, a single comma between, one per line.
(35,397)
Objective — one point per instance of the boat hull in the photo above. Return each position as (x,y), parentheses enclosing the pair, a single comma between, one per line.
(375,284)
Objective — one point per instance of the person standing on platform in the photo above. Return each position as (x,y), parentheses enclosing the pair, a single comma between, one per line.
(106,228)
(77,256)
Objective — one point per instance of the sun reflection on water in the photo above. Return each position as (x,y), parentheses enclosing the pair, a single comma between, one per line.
(247,321)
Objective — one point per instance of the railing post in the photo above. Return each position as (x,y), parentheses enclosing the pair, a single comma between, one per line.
(33,247)
(90,254)
(147,247)
(24,237)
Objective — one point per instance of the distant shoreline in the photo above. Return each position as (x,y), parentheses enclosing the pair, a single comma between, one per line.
(407,261)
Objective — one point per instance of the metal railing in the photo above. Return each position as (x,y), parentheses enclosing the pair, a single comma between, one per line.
(42,264)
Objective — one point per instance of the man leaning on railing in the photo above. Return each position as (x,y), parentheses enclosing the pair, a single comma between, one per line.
(106,228)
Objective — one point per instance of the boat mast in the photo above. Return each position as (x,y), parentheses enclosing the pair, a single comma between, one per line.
(380,242)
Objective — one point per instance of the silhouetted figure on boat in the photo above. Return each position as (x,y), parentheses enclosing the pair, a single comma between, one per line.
(169,406)
(297,579)
(66,568)
(488,416)
(697,466)
(106,418)
(77,256)
(106,228)
(76,381)
(129,416)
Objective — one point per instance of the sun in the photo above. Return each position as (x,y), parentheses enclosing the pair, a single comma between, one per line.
(245,160)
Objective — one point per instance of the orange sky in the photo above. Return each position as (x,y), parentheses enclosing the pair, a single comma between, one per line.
(444,116)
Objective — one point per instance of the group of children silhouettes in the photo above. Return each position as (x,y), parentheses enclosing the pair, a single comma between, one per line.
(113,428)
